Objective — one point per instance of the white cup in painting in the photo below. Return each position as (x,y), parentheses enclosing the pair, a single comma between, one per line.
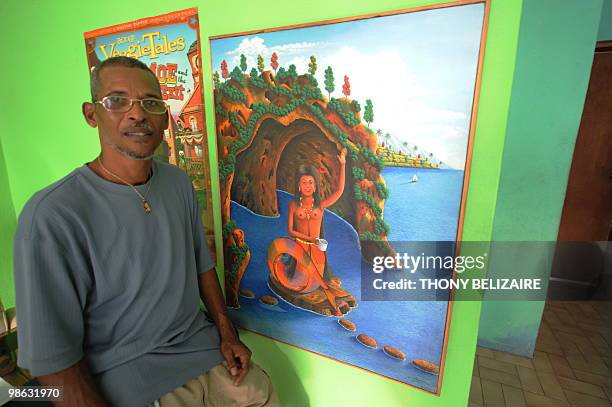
(322,244)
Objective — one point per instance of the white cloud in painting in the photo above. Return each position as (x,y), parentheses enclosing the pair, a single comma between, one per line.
(249,47)
(295,47)
(427,113)
(252,47)
(300,62)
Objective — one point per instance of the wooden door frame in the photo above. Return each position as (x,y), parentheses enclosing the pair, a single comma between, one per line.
(603,46)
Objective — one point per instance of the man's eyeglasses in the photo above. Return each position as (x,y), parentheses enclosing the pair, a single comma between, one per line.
(122,104)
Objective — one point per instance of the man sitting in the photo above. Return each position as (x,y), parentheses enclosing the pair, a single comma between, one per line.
(110,265)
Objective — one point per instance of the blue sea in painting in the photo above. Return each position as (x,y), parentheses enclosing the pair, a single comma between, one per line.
(423,210)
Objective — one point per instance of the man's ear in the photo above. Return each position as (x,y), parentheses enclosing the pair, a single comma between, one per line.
(88,109)
(167,120)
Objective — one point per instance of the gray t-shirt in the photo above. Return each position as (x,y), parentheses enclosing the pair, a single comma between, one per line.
(98,278)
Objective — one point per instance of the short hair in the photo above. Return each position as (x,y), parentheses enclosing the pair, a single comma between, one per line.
(123,61)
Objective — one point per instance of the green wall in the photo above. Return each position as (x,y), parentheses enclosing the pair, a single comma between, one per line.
(605,23)
(44,138)
(553,66)
(7,228)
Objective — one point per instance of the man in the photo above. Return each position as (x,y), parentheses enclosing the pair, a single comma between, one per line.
(110,264)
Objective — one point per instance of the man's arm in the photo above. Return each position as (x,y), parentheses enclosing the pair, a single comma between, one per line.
(51,286)
(79,388)
(236,354)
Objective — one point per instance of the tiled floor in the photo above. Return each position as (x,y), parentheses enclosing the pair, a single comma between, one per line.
(572,365)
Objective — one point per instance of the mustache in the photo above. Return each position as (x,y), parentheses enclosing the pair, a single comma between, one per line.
(143,128)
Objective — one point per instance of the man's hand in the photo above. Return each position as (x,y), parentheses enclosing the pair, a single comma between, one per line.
(237,359)
(237,356)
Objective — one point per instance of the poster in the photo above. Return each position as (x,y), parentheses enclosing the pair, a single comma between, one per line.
(169,45)
(339,142)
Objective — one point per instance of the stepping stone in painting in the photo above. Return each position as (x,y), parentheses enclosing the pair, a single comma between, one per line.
(367,341)
(246,293)
(268,300)
(348,325)
(394,353)
(426,366)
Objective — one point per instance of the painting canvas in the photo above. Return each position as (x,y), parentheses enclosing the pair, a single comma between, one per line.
(169,45)
(338,142)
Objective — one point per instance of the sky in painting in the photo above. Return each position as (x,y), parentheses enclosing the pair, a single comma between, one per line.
(419,70)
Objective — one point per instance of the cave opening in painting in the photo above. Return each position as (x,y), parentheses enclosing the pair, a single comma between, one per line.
(336,142)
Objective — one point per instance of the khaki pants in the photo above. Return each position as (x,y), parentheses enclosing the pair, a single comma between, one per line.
(215,388)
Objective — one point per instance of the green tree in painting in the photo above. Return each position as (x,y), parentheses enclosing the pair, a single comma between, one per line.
(236,75)
(329,81)
(216,80)
(260,63)
(312,65)
(243,64)
(292,71)
(368,114)
(254,73)
(386,135)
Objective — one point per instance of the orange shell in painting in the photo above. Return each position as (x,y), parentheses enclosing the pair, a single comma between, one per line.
(394,353)
(348,325)
(366,340)
(426,366)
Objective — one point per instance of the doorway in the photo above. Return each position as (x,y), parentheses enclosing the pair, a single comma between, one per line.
(582,266)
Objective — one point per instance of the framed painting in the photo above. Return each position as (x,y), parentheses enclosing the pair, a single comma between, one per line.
(339,143)
(169,45)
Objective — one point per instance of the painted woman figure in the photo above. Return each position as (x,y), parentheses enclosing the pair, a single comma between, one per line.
(305,217)
(303,277)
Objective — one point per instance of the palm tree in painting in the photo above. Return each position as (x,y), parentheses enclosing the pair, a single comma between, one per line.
(387,137)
